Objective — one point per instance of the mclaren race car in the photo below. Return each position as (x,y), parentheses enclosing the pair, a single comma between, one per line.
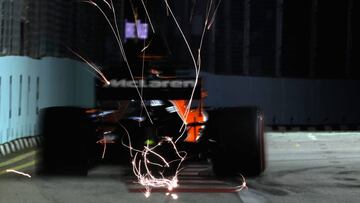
(133,114)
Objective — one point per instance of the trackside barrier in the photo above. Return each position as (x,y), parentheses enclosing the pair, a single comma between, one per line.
(27,85)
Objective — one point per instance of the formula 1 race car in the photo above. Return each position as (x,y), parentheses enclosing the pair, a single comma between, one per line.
(74,138)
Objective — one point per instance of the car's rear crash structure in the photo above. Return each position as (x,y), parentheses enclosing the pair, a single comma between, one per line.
(73,138)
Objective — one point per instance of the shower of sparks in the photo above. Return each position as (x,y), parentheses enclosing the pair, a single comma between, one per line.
(144,161)
(18,172)
(141,165)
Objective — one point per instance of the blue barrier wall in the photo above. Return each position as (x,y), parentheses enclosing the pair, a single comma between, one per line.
(27,85)
(288,101)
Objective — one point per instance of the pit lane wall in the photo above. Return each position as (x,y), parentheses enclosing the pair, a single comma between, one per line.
(287,101)
(27,85)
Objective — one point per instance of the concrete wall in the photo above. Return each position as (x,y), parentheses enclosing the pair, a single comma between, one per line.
(28,85)
(288,101)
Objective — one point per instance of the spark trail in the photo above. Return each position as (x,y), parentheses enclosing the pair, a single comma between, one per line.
(18,172)
(94,67)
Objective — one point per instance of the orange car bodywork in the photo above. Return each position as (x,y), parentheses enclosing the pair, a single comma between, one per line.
(195,119)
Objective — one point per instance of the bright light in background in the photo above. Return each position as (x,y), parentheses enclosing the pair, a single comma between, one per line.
(136,30)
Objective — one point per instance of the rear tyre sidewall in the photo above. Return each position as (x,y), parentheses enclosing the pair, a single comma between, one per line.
(68,137)
(239,137)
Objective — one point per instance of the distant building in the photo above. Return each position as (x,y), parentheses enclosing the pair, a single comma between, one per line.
(286,38)
(10,27)
(39,28)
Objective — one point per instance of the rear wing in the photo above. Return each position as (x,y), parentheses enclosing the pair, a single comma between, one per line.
(151,89)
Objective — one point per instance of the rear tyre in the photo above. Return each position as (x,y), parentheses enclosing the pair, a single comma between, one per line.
(67,136)
(239,136)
